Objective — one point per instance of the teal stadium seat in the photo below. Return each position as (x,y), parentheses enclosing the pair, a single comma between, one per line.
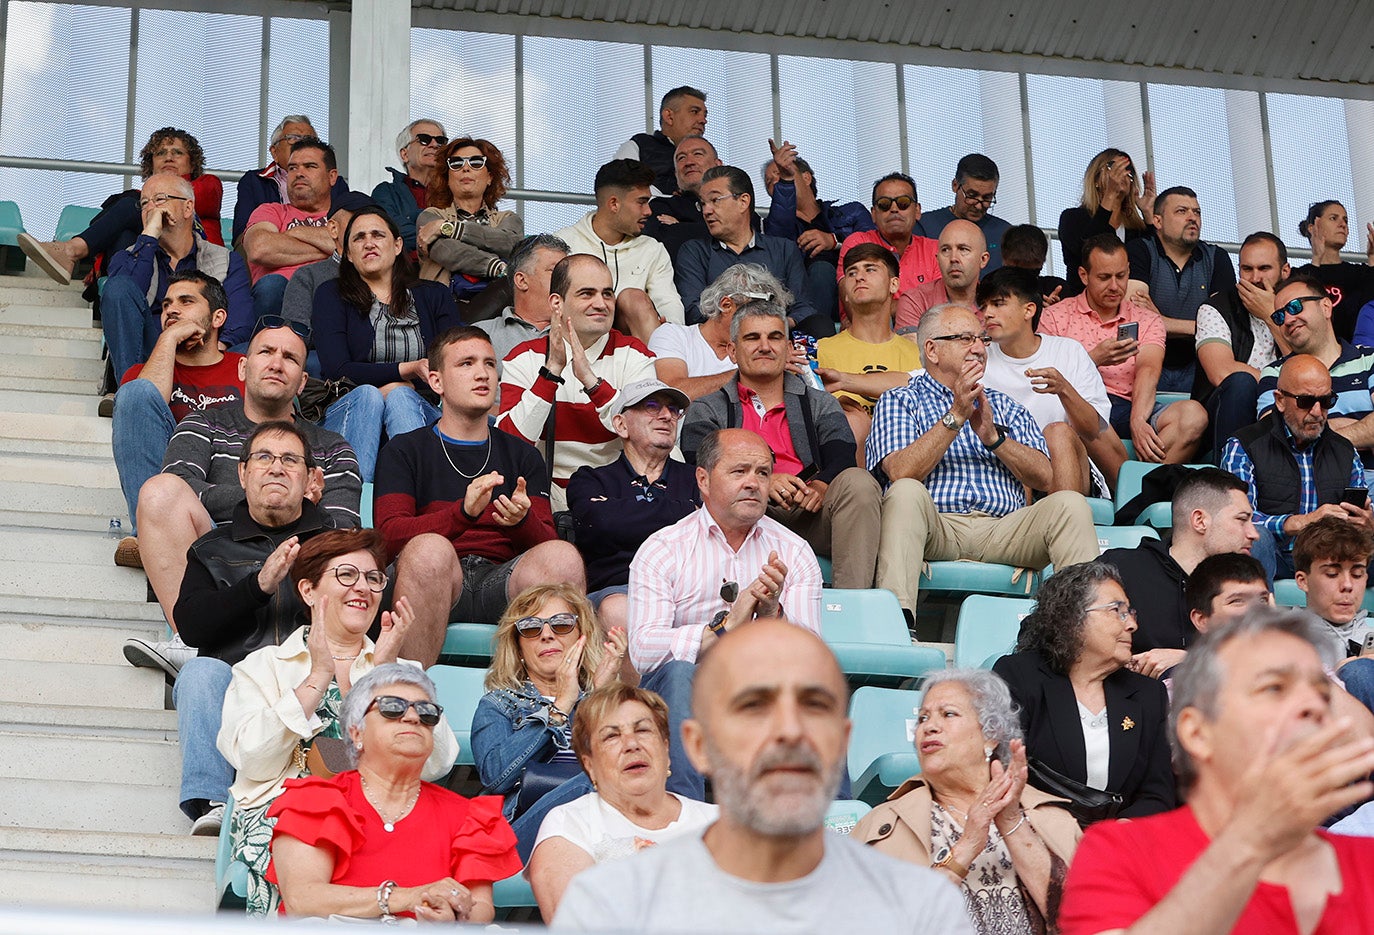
(964,577)
(468,644)
(1122,537)
(231,876)
(1158,515)
(512,893)
(73,220)
(1104,511)
(987,629)
(867,632)
(11,226)
(459,688)
(1288,594)
(882,752)
(827,571)
(226,228)
(365,505)
(844,814)
(1169,399)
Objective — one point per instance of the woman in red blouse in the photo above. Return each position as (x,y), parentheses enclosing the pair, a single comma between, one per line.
(376,841)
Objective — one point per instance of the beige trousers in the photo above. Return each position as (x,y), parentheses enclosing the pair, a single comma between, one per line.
(847,527)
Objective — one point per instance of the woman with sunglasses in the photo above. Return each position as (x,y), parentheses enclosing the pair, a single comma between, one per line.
(377,841)
(373,325)
(1327,229)
(283,699)
(547,653)
(1094,730)
(463,240)
(1114,199)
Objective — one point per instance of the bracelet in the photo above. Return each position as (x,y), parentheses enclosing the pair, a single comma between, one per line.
(384,900)
(591,390)
(1016,827)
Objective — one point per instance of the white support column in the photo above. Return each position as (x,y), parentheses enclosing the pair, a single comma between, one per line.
(1359,124)
(1249,163)
(378,87)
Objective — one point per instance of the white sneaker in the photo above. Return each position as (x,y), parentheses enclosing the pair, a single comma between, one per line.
(208,825)
(167,655)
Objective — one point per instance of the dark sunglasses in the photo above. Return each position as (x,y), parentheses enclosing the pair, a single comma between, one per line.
(394,708)
(560,624)
(348,575)
(429,139)
(269,322)
(476,162)
(654,407)
(1306,401)
(1293,307)
(901,201)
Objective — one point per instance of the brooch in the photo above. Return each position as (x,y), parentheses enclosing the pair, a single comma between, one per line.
(1127,723)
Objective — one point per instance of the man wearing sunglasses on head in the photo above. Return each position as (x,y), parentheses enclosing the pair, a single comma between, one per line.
(896,209)
(406,195)
(269,185)
(1298,468)
(237,597)
(975,192)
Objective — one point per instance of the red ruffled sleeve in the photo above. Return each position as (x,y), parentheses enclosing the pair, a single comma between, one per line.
(315,811)
(484,847)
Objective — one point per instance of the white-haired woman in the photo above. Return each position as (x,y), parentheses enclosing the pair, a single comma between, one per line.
(377,841)
(970,814)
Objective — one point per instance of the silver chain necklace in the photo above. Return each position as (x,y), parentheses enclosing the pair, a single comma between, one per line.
(485,461)
(390,825)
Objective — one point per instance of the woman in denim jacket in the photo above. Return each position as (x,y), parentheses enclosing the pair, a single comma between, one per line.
(548,653)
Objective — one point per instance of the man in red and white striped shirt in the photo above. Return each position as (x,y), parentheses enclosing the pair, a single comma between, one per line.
(577,370)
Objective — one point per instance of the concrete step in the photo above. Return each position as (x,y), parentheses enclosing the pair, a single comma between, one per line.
(91,582)
(25,426)
(61,642)
(107,871)
(23,681)
(49,469)
(35,284)
(133,616)
(134,723)
(40,545)
(56,343)
(91,503)
(31,310)
(72,805)
(90,759)
(50,374)
(55,404)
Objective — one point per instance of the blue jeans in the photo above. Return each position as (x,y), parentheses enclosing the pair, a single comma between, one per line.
(825,289)
(673,682)
(1276,557)
(131,327)
(1230,408)
(143,425)
(361,416)
(1358,676)
(526,827)
(198,696)
(267,295)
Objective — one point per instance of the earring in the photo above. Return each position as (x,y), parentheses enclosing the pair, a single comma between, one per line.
(670,771)
(988,753)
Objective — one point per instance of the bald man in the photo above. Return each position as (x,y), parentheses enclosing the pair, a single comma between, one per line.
(770,729)
(962,254)
(1298,468)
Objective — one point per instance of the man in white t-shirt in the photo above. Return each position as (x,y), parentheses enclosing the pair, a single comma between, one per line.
(770,729)
(1055,379)
(695,358)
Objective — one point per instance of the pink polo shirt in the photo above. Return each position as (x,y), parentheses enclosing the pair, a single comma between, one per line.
(918,264)
(283,217)
(771,425)
(1074,318)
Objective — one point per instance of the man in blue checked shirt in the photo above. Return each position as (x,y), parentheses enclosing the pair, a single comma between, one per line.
(1296,465)
(957,459)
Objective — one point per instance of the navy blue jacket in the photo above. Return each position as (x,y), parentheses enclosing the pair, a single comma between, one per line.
(399,201)
(700,261)
(258,189)
(344,335)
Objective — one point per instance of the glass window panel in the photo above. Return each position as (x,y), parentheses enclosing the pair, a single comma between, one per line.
(549,217)
(294,87)
(739,100)
(465,80)
(1311,162)
(1192,148)
(826,104)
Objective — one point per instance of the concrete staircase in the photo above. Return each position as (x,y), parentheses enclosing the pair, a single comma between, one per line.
(89,764)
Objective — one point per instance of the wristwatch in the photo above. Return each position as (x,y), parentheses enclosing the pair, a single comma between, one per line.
(717,624)
(949,421)
(549,375)
(949,863)
(1001,437)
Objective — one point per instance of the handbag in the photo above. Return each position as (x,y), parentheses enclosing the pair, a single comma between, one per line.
(318,395)
(1085,803)
(539,779)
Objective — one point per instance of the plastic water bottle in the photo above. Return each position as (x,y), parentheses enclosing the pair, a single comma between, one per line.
(116,529)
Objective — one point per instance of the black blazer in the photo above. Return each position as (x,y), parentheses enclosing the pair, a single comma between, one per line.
(1138,765)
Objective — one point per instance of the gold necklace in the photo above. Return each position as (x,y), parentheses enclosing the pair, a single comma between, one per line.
(389,824)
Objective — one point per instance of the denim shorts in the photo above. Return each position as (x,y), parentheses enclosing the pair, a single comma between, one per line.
(1121,415)
(484,596)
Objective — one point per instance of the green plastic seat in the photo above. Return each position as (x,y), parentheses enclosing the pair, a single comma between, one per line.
(1123,537)
(1168,399)
(1104,511)
(882,752)
(73,220)
(468,644)
(844,814)
(986,629)
(1288,594)
(512,893)
(365,505)
(11,224)
(1128,483)
(231,876)
(963,577)
(226,228)
(868,634)
(459,688)
(827,571)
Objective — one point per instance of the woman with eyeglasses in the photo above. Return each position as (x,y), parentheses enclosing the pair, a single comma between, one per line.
(372,326)
(282,700)
(1351,285)
(1094,730)
(547,654)
(168,150)
(1115,198)
(378,842)
(463,240)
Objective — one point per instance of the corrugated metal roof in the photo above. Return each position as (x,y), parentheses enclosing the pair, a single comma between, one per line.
(1251,40)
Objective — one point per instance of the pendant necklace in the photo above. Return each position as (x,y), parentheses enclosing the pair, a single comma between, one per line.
(389,825)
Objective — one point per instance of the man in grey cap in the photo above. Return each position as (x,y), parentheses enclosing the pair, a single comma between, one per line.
(621,504)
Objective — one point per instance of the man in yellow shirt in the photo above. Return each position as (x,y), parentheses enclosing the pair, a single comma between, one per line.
(867,358)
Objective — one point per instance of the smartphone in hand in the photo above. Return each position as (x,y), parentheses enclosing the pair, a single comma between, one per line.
(1129,331)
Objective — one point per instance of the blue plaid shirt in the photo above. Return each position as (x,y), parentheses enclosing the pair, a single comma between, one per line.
(1235,459)
(969,478)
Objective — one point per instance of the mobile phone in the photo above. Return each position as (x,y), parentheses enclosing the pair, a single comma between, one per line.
(1368,644)
(1355,496)
(1130,331)
(808,472)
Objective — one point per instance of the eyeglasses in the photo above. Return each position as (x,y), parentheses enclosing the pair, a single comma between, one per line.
(1122,610)
(265,459)
(1306,401)
(715,202)
(474,162)
(901,201)
(653,407)
(430,139)
(965,338)
(973,198)
(169,151)
(1293,307)
(268,322)
(160,200)
(348,575)
(289,138)
(560,624)
(393,708)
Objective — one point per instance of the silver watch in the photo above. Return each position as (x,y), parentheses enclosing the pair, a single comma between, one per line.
(949,421)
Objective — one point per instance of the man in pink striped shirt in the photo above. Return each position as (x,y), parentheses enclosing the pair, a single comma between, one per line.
(693,582)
